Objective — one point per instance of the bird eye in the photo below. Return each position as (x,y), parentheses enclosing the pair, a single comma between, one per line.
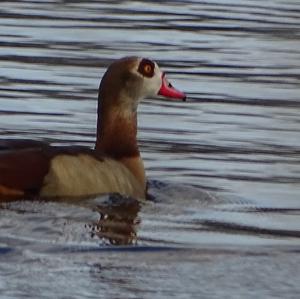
(146,68)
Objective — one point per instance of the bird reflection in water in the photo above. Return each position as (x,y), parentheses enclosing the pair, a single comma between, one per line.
(118,221)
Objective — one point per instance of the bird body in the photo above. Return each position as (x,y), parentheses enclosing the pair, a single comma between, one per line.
(114,166)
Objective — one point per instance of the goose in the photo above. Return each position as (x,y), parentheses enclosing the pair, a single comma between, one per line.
(31,168)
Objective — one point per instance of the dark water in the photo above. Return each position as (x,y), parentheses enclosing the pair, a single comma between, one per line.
(224,168)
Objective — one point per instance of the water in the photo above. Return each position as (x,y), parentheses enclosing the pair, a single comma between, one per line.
(224,167)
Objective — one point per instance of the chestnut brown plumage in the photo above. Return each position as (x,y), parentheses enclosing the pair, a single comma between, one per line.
(33,168)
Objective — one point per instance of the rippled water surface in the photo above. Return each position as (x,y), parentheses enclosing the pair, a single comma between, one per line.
(224,167)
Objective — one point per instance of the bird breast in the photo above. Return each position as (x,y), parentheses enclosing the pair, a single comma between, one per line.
(83,174)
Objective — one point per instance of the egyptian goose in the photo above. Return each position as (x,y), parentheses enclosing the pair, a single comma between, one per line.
(33,168)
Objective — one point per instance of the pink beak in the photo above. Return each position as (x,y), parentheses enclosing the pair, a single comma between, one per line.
(167,90)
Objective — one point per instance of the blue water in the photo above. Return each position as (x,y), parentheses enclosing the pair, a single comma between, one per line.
(224,167)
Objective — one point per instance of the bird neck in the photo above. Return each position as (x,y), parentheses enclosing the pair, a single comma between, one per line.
(117,132)
(117,139)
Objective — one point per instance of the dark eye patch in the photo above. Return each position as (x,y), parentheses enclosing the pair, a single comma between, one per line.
(146,68)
